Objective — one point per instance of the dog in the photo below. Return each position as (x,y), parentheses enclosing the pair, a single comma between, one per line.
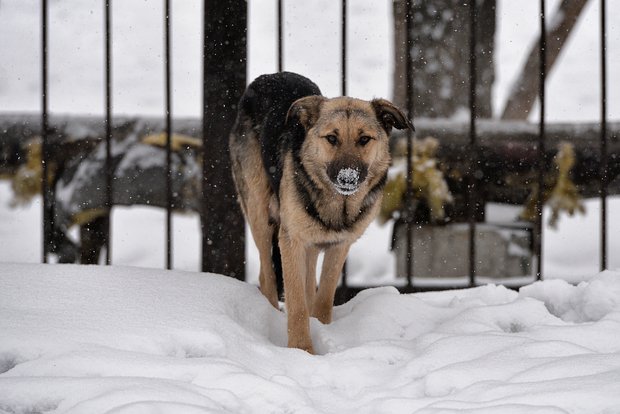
(309,173)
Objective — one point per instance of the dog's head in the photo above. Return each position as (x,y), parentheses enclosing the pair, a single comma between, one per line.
(346,141)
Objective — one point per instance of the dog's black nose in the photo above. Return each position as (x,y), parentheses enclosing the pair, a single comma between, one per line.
(348,180)
(348,177)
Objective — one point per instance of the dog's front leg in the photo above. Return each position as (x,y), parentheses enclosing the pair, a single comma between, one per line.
(312,254)
(330,274)
(293,254)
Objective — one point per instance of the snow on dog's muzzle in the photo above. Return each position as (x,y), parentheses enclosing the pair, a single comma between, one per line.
(347,179)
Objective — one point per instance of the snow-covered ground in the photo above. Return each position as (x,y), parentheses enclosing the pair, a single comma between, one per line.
(85,339)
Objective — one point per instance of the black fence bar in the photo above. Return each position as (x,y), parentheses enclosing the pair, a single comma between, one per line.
(409,209)
(343,56)
(604,150)
(108,129)
(343,84)
(167,64)
(44,133)
(224,80)
(280,18)
(541,141)
(472,188)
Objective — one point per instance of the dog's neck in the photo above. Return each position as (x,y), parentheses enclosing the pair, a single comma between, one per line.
(332,210)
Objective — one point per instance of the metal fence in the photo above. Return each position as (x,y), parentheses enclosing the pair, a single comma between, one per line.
(345,290)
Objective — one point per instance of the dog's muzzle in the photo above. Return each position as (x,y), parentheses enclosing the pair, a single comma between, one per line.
(347,181)
(347,176)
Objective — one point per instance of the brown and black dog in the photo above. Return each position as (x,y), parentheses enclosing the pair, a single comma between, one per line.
(309,173)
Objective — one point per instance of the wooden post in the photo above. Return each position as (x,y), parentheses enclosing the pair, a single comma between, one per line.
(225,58)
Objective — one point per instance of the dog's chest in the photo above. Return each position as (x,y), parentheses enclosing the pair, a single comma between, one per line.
(329,218)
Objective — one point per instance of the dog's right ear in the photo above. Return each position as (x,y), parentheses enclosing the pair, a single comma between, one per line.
(305,110)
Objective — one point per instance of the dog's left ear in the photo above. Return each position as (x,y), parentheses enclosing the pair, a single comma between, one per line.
(390,116)
(306,110)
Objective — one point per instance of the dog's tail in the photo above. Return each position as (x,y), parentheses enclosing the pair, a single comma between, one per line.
(276,259)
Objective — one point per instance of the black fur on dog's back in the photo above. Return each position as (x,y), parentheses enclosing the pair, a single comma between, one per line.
(265,105)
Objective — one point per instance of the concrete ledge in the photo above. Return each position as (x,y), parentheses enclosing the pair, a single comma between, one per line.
(502,251)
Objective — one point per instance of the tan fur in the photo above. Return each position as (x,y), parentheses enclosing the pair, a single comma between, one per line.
(301,237)
(254,191)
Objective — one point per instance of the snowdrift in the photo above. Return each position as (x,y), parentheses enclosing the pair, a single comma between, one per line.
(76,339)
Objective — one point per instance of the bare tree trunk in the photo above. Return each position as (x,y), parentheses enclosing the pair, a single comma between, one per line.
(441,54)
(525,89)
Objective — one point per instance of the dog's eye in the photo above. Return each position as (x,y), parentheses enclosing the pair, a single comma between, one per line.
(365,139)
(332,139)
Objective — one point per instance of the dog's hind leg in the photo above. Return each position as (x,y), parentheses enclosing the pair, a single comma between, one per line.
(267,278)
(330,274)
(255,196)
(262,232)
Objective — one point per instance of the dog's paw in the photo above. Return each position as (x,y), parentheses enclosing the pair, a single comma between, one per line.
(303,345)
(274,302)
(272,296)
(323,314)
